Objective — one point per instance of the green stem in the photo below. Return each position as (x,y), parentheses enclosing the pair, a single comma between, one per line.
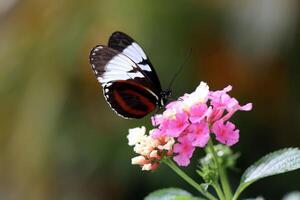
(218,190)
(188,179)
(225,184)
(222,173)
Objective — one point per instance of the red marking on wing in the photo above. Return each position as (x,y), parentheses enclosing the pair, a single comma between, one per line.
(133,83)
(143,99)
(128,109)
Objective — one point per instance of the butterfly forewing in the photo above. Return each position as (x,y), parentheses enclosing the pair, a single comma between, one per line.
(125,44)
(110,65)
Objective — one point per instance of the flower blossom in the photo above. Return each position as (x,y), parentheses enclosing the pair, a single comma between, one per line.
(150,150)
(196,97)
(184,150)
(225,133)
(187,124)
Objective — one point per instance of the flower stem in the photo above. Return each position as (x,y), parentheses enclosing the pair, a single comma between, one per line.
(188,179)
(222,173)
(218,190)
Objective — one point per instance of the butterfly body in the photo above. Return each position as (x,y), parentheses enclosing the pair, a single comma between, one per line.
(130,84)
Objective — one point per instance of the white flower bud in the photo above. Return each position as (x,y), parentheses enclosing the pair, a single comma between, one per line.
(147,167)
(153,154)
(138,160)
(136,135)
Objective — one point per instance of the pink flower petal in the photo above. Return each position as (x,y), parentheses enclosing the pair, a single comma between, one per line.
(198,112)
(214,114)
(156,133)
(156,119)
(185,151)
(246,107)
(176,126)
(199,133)
(225,133)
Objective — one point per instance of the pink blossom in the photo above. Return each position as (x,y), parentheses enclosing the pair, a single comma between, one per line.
(220,99)
(185,151)
(235,108)
(156,133)
(198,112)
(199,133)
(214,114)
(173,105)
(225,133)
(221,102)
(156,119)
(218,93)
(177,125)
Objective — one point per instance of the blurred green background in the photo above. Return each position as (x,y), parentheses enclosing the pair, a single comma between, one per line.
(60,140)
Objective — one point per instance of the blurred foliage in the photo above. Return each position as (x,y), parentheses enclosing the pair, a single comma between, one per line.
(60,140)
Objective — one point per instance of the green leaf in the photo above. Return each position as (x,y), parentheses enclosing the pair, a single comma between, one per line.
(278,162)
(171,194)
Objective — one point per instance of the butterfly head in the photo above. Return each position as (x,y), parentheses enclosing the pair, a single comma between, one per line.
(165,97)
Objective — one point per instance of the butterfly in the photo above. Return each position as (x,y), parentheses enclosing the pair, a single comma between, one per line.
(130,84)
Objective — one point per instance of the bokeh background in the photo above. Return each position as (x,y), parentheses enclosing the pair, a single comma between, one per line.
(60,140)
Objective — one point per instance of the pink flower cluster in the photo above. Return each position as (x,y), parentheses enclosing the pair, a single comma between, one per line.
(193,117)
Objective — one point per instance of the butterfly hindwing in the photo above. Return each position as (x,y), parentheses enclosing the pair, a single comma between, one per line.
(130,99)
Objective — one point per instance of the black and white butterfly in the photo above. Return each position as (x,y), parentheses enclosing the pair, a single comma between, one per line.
(130,84)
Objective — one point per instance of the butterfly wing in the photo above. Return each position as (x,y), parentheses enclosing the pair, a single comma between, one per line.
(129,99)
(125,44)
(126,87)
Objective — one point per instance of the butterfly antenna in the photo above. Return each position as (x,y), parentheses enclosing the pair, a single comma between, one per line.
(180,69)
